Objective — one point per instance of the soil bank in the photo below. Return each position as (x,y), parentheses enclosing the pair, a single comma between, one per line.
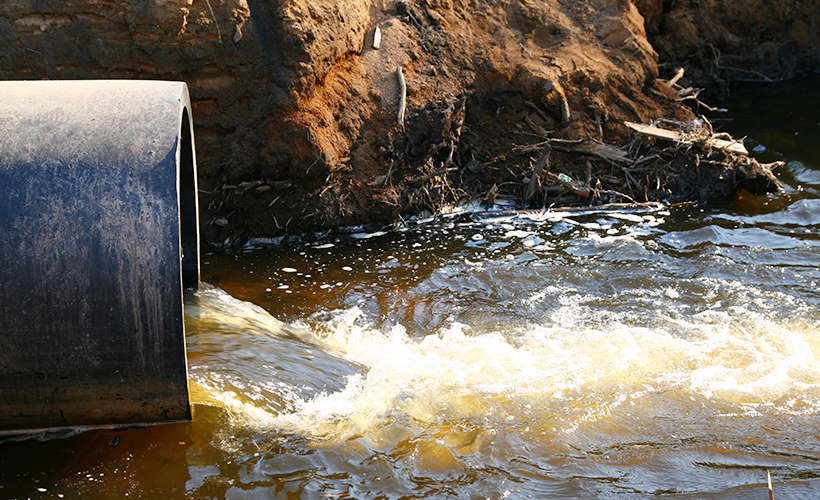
(296,103)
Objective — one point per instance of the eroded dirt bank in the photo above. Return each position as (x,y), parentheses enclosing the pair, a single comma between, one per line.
(718,42)
(297,112)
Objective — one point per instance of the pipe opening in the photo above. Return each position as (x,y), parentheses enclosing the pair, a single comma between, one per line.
(188,211)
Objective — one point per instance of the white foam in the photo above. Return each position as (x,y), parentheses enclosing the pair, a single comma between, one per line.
(563,369)
(456,375)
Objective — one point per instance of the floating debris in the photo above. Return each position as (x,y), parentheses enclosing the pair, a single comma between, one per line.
(617,210)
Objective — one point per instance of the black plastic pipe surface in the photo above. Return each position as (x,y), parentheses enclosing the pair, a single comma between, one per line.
(98,237)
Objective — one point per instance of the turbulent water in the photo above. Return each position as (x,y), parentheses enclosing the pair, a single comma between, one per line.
(608,355)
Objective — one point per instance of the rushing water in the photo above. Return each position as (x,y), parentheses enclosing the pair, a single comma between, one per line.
(673,353)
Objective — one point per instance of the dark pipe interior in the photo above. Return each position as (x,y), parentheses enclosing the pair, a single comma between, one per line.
(189,230)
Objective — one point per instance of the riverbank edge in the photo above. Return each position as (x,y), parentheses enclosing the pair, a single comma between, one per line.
(297,104)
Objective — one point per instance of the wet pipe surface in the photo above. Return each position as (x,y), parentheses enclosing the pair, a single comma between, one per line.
(90,278)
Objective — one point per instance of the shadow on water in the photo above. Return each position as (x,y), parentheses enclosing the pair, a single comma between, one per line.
(780,121)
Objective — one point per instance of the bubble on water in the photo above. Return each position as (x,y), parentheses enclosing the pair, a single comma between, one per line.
(532,241)
(517,234)
(627,217)
(367,236)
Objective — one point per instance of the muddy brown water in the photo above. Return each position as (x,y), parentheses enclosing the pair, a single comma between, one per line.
(672,354)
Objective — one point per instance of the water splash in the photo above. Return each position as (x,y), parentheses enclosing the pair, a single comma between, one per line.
(562,375)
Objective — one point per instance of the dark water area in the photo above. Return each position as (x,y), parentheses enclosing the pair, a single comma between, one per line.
(780,121)
(671,354)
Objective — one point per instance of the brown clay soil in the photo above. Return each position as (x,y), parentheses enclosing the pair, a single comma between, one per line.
(296,110)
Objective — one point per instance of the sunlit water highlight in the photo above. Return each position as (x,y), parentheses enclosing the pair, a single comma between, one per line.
(672,353)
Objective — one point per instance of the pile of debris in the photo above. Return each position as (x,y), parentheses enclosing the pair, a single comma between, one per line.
(531,167)
(666,161)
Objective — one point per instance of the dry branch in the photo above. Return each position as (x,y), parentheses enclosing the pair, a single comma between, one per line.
(771,491)
(675,78)
(402,96)
(536,174)
(431,175)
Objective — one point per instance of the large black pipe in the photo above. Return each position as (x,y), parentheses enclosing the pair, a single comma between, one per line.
(98,238)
